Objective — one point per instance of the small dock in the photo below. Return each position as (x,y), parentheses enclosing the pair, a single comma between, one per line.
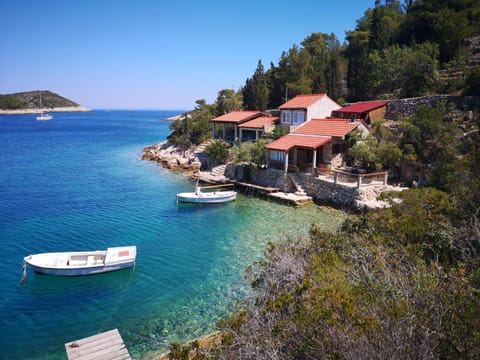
(104,346)
(253,187)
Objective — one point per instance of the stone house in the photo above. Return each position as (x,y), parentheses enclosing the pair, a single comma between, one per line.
(315,146)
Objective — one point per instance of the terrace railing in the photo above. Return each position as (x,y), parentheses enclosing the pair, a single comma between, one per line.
(367,179)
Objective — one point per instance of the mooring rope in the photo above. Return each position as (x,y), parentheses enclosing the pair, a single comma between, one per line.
(24,273)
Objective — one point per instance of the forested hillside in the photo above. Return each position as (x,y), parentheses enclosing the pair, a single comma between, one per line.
(398,49)
(31,100)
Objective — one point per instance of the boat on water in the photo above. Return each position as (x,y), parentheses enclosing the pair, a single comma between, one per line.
(211,197)
(76,263)
(207,197)
(44,116)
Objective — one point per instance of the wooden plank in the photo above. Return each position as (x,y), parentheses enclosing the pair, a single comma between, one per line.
(258,187)
(216,186)
(108,345)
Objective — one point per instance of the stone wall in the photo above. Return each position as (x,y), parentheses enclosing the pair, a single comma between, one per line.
(316,188)
(328,192)
(262,177)
(401,108)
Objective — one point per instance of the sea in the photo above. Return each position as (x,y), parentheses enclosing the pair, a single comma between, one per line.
(76,183)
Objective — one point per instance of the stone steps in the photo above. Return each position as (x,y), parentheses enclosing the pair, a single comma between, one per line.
(297,182)
(200,148)
(218,170)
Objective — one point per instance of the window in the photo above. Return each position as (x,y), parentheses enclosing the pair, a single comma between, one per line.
(286,117)
(338,148)
(277,155)
(298,117)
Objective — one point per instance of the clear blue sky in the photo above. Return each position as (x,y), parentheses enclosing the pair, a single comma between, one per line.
(147,54)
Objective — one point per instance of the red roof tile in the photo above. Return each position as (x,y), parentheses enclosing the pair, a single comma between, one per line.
(362,107)
(287,142)
(327,127)
(237,116)
(302,101)
(259,122)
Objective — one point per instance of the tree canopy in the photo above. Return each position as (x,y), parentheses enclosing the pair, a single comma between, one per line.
(396,50)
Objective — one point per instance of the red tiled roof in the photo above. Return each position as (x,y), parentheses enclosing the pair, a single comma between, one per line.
(327,127)
(237,116)
(362,107)
(302,101)
(287,142)
(259,122)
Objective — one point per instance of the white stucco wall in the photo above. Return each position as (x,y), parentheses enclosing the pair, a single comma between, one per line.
(364,130)
(322,108)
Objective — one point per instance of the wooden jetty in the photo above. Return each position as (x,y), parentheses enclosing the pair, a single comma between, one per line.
(253,187)
(104,346)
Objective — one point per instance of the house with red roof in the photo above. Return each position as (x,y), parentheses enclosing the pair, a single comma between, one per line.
(313,145)
(226,126)
(252,130)
(367,111)
(302,108)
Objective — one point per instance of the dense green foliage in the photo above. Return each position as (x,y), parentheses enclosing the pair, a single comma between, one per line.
(397,50)
(409,44)
(378,151)
(11,102)
(255,91)
(316,67)
(227,101)
(436,140)
(250,152)
(398,284)
(31,100)
(431,142)
(193,128)
(218,151)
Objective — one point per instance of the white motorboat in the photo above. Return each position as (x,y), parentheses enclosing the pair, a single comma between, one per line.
(77,263)
(207,197)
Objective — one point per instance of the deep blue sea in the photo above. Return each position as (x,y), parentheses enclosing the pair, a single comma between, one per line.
(77,183)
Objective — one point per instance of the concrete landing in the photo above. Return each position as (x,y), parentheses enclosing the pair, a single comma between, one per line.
(291,198)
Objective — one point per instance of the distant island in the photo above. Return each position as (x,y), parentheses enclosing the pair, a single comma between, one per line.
(29,103)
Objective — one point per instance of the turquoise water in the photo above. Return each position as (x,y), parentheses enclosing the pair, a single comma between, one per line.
(77,183)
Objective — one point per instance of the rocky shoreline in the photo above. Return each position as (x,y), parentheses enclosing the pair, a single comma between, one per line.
(172,158)
(37,111)
(343,195)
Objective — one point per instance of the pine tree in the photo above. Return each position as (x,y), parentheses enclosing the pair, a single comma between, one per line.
(255,92)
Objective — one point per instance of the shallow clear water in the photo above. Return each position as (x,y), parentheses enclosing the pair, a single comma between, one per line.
(77,183)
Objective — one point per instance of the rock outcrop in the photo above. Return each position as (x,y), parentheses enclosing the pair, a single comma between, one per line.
(172,158)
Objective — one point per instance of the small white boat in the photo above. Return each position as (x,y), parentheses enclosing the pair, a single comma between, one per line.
(82,262)
(44,116)
(207,197)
